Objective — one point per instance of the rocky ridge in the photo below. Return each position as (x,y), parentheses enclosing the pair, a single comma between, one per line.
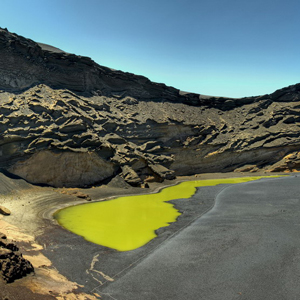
(67,121)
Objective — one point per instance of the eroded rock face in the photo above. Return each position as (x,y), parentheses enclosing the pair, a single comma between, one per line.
(64,169)
(12,265)
(66,121)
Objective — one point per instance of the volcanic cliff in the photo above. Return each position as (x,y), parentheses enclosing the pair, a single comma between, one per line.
(67,121)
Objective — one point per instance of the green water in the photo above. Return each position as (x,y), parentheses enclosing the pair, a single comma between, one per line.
(127,223)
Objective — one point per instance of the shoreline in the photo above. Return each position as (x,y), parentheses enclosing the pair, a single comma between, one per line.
(32,226)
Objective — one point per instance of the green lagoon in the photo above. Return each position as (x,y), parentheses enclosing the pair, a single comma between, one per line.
(127,223)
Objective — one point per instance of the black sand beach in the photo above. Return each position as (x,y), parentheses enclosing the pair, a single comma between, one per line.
(65,264)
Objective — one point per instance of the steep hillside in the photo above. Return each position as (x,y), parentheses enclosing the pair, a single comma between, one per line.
(67,121)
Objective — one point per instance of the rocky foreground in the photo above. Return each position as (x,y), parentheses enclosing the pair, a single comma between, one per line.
(12,265)
(67,121)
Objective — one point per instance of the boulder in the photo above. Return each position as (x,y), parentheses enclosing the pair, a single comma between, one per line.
(12,264)
(3,236)
(83,196)
(162,172)
(118,182)
(130,176)
(246,168)
(4,211)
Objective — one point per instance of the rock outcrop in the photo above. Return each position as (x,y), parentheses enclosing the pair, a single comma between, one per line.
(12,265)
(67,121)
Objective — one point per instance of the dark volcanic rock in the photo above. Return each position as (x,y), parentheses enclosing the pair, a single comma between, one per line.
(67,121)
(131,176)
(36,65)
(12,265)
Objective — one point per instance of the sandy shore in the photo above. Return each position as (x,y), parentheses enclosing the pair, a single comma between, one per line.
(37,234)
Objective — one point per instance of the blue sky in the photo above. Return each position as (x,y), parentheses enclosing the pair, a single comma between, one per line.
(230,48)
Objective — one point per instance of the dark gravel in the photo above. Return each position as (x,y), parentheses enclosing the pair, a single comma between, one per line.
(246,247)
